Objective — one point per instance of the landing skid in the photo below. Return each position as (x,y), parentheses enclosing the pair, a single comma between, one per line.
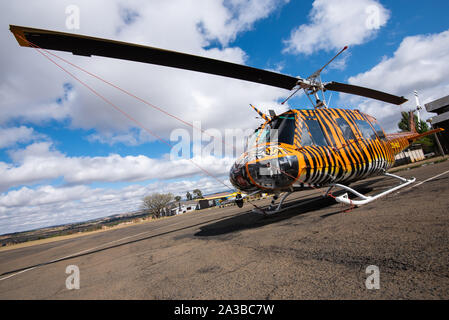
(273,208)
(367,199)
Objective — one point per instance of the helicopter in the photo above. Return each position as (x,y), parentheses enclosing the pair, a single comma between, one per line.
(297,150)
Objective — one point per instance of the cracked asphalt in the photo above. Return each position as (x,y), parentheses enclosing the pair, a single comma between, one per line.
(317,251)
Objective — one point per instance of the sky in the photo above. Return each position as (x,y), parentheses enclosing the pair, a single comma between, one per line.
(66,155)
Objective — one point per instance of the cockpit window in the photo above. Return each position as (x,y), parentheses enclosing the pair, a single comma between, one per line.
(315,131)
(252,139)
(366,130)
(345,129)
(285,126)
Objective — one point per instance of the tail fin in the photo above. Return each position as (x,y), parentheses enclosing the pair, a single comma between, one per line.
(414,133)
(412,124)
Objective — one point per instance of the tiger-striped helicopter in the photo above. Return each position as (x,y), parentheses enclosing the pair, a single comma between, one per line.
(293,151)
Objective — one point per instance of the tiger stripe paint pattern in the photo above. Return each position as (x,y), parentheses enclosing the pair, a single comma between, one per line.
(316,148)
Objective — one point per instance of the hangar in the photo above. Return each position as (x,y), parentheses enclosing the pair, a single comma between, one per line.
(441,108)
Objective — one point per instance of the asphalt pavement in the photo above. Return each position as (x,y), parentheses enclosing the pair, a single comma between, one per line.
(320,250)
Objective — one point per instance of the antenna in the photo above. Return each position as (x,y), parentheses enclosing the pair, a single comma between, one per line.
(418,106)
(263,115)
(329,100)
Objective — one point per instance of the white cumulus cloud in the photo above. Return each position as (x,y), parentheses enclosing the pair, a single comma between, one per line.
(11,136)
(420,63)
(32,88)
(40,162)
(27,208)
(337,23)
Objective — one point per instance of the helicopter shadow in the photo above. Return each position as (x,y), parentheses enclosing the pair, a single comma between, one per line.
(250,220)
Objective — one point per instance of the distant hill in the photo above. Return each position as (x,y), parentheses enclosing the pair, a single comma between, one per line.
(67,229)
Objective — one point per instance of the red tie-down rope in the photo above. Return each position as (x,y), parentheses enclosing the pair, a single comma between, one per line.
(39,50)
(35,46)
(121,111)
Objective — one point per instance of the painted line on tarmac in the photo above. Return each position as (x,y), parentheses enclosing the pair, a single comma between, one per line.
(427,180)
(81,252)
(97,247)
(15,274)
(73,255)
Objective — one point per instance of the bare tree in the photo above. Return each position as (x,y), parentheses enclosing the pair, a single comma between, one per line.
(156,203)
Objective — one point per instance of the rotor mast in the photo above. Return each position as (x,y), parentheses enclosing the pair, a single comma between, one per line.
(313,84)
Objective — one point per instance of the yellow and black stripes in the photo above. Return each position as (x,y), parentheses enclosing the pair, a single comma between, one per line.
(341,160)
(298,130)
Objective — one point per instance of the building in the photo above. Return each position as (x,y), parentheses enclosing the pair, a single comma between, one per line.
(184,207)
(216,199)
(441,108)
(226,198)
(412,154)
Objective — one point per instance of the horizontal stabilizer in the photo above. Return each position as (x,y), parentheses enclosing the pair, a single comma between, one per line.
(417,136)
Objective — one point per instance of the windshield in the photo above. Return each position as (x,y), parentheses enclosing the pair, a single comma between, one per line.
(252,139)
(281,129)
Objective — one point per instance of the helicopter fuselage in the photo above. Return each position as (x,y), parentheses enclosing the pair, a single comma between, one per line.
(302,149)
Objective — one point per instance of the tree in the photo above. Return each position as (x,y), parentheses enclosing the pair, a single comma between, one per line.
(197,194)
(404,124)
(428,142)
(188,196)
(156,203)
(177,198)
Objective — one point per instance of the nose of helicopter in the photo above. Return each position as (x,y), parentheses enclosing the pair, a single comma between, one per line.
(240,179)
(268,170)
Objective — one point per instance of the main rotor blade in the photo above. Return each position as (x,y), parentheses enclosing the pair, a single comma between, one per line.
(88,46)
(365,92)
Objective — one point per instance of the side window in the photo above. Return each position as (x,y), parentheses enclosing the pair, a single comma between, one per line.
(366,130)
(306,140)
(345,129)
(316,132)
(379,131)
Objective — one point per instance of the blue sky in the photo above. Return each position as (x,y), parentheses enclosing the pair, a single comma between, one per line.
(66,156)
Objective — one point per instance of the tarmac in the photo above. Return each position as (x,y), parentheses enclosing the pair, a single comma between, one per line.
(321,250)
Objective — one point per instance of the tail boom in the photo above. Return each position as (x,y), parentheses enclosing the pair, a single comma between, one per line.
(402,140)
